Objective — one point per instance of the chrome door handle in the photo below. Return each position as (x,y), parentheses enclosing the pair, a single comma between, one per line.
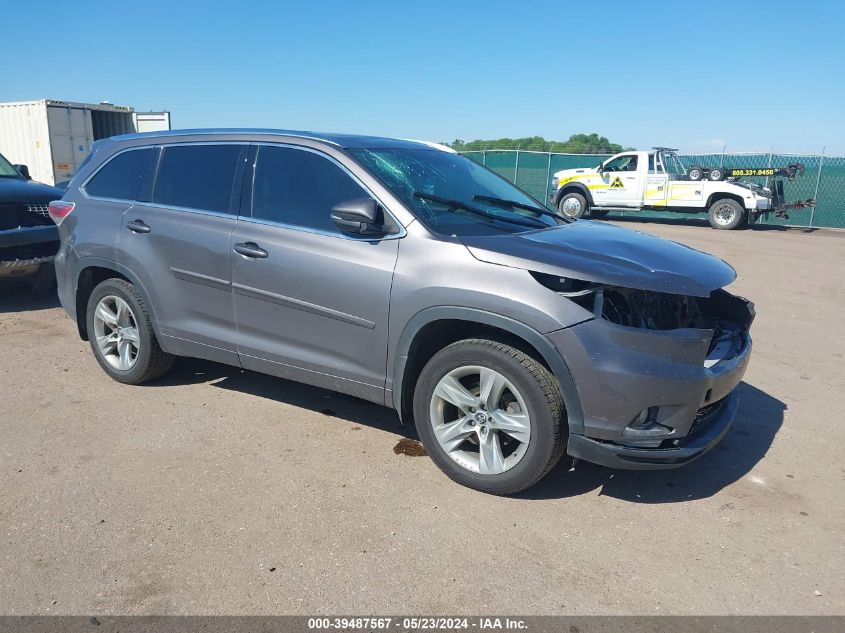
(250,249)
(138,226)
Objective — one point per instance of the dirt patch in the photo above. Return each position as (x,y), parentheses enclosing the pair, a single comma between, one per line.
(409,447)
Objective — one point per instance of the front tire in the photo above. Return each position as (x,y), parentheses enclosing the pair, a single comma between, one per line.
(725,214)
(491,417)
(121,334)
(573,205)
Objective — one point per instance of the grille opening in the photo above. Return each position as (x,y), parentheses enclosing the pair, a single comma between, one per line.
(20,215)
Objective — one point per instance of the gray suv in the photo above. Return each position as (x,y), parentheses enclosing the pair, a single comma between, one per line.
(409,276)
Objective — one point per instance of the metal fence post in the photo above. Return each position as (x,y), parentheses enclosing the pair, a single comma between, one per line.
(484,157)
(769,164)
(548,178)
(516,166)
(816,195)
(722,157)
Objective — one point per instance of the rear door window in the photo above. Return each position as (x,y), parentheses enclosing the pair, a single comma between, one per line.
(120,178)
(197,177)
(299,188)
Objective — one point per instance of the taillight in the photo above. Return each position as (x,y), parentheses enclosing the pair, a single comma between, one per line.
(59,210)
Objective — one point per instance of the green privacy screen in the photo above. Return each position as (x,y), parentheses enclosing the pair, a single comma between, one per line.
(823,179)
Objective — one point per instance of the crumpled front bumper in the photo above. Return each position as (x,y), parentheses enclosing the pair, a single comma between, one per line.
(621,371)
(636,458)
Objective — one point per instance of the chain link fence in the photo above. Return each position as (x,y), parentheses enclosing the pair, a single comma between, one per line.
(823,179)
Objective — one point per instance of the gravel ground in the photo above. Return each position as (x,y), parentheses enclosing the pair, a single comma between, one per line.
(219,491)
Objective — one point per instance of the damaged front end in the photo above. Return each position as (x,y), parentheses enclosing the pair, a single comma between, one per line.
(656,371)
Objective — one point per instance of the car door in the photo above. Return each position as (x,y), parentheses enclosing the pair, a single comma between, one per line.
(176,241)
(311,302)
(621,185)
(657,183)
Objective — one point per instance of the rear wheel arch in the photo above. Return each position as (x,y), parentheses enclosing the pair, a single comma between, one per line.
(719,195)
(432,329)
(727,212)
(93,271)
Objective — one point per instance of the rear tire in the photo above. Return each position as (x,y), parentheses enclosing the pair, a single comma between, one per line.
(573,205)
(726,214)
(122,336)
(523,419)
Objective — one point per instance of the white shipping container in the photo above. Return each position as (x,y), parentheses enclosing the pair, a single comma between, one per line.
(52,138)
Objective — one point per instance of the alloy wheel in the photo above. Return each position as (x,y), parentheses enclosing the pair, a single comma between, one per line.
(480,420)
(116,332)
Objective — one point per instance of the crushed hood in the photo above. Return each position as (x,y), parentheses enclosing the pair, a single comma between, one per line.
(608,254)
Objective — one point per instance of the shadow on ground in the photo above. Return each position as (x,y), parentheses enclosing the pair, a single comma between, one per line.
(759,418)
(26,294)
(188,371)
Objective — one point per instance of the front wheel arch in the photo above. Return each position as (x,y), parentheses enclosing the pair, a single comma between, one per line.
(574,188)
(405,367)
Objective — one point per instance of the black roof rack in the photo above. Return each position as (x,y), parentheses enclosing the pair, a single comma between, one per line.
(665,149)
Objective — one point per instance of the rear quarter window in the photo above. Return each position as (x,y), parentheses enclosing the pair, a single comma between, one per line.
(197,177)
(120,178)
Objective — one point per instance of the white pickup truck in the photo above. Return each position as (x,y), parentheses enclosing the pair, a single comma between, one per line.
(637,180)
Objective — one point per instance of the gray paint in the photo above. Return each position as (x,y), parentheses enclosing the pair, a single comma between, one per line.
(606,253)
(342,312)
(186,256)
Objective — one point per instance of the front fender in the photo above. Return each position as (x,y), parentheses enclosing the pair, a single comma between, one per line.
(570,186)
(550,354)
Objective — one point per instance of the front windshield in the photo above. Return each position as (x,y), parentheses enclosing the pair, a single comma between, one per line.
(6,169)
(453,195)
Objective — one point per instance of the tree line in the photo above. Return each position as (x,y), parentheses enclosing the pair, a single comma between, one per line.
(577,144)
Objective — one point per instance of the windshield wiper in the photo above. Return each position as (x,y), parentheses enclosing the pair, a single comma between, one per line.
(457,204)
(513,204)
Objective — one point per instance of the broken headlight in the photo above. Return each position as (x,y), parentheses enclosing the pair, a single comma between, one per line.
(650,310)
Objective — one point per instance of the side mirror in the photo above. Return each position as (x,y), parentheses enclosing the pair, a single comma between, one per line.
(23,170)
(361,216)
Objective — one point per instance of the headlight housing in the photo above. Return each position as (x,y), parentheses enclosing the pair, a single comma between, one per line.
(555,182)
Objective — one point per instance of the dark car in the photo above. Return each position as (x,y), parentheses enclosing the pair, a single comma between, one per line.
(28,237)
(411,277)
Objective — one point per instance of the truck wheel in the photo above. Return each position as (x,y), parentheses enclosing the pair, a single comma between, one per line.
(490,416)
(717,173)
(573,205)
(725,214)
(695,173)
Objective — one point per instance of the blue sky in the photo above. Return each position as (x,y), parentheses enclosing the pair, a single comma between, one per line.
(697,75)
